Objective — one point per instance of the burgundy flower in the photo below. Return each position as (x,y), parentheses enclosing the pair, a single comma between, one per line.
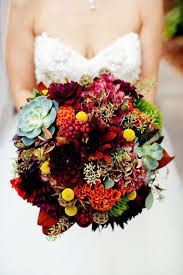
(84,216)
(66,165)
(67,93)
(127,88)
(37,192)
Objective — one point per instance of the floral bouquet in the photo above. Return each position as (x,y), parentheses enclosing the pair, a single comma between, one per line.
(88,153)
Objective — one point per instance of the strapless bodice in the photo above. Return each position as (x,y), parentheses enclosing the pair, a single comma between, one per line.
(55,61)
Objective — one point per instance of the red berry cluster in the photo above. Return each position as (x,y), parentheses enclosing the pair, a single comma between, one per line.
(84,217)
(73,128)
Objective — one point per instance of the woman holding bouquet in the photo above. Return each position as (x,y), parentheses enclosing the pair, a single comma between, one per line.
(49,42)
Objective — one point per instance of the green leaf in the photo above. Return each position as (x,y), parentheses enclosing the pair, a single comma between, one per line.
(27,141)
(119,208)
(109,183)
(36,93)
(149,201)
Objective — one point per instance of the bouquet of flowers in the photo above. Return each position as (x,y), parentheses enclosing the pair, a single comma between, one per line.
(88,153)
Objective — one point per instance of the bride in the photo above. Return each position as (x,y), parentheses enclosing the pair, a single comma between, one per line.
(46,42)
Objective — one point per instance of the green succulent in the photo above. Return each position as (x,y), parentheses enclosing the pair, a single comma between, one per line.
(150,152)
(119,208)
(36,115)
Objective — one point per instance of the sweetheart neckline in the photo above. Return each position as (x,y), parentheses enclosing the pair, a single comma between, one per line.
(102,51)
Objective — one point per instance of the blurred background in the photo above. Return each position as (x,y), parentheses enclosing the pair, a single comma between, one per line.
(170,90)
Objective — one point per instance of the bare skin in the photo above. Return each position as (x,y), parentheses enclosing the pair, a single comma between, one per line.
(86,31)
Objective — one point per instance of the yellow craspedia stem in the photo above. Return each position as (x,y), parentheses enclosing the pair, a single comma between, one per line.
(82,116)
(44,92)
(68,194)
(129,134)
(132,195)
(71,211)
(45,169)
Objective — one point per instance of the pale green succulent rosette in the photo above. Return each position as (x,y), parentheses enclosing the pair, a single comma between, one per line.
(36,115)
(150,152)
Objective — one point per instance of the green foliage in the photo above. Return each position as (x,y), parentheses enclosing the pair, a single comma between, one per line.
(174,21)
(36,115)
(119,208)
(149,201)
(151,109)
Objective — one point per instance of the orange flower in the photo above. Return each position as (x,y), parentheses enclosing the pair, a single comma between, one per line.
(64,113)
(100,198)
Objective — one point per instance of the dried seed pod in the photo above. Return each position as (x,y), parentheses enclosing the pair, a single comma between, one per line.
(104,71)
(19,145)
(100,217)
(62,225)
(86,80)
(22,167)
(64,203)
(26,155)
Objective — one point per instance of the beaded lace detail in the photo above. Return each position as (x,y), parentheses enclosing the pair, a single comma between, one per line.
(55,61)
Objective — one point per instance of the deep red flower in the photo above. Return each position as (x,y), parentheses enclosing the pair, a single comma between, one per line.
(66,165)
(46,221)
(84,217)
(41,87)
(16,185)
(110,135)
(68,93)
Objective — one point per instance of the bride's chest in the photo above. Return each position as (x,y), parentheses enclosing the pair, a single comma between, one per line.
(55,60)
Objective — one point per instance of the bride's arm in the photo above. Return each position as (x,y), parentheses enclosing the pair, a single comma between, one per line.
(19,51)
(151,38)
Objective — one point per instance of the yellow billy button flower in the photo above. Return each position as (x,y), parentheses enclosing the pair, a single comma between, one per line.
(71,211)
(45,169)
(82,116)
(68,194)
(129,134)
(44,92)
(132,195)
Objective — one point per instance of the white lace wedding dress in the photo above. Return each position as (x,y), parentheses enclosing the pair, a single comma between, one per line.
(150,244)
